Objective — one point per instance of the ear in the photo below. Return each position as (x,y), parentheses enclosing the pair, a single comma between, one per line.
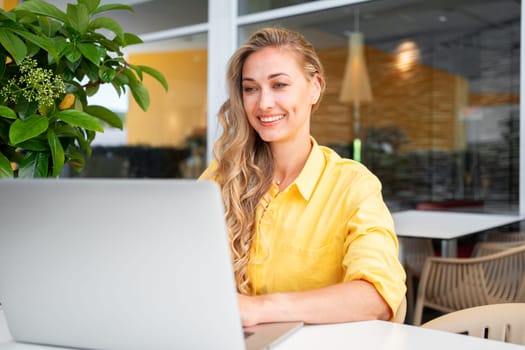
(315,88)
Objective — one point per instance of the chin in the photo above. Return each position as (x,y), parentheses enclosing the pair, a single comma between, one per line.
(269,138)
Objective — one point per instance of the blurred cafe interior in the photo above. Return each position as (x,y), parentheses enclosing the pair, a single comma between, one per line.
(433,109)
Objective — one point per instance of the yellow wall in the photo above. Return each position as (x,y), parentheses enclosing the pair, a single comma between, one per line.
(176,114)
(8,4)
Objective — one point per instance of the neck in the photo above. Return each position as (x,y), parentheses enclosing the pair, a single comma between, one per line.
(289,161)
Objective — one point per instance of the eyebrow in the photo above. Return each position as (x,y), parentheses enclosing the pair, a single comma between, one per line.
(271,76)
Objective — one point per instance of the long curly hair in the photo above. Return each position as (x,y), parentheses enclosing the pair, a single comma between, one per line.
(244,162)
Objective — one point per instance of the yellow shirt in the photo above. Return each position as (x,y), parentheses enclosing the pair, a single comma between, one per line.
(329,226)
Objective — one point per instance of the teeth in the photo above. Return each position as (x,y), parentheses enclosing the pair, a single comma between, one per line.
(272,118)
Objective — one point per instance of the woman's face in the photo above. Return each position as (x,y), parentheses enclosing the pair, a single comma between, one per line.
(277,96)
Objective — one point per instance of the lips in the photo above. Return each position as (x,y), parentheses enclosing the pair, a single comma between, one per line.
(272,118)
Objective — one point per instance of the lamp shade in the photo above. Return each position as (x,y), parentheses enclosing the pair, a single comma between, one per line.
(356,84)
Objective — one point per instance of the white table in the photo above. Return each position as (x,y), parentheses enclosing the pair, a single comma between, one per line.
(372,335)
(377,335)
(447,226)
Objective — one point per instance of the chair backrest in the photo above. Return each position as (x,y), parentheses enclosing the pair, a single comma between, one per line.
(503,322)
(450,284)
(506,236)
(492,247)
(401,312)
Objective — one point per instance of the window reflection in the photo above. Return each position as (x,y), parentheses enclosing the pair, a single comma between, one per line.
(443,124)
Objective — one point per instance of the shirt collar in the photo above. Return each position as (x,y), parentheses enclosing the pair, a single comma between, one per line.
(311,172)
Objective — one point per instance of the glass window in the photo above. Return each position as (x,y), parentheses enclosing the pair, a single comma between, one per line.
(440,124)
(252,6)
(169,139)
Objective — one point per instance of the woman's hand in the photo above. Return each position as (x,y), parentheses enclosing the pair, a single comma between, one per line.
(250,308)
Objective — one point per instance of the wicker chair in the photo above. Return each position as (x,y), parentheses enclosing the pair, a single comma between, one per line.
(517,236)
(414,252)
(492,247)
(503,322)
(451,284)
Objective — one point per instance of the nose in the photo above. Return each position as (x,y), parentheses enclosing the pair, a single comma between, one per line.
(266,99)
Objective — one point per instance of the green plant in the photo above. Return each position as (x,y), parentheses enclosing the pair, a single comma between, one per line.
(51,61)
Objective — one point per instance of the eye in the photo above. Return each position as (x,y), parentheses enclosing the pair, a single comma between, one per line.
(280,85)
(248,89)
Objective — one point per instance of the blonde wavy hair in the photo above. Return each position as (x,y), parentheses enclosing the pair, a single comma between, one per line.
(244,162)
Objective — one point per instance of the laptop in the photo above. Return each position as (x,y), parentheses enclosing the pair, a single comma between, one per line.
(120,264)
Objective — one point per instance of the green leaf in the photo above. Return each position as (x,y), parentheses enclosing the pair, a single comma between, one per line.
(91,5)
(13,45)
(78,17)
(73,65)
(107,23)
(64,130)
(91,52)
(61,44)
(138,71)
(138,90)
(92,90)
(9,15)
(73,54)
(41,42)
(5,167)
(106,115)
(106,74)
(22,130)
(90,70)
(7,112)
(34,164)
(141,95)
(111,7)
(37,145)
(80,119)
(110,45)
(75,158)
(57,152)
(155,74)
(41,7)
(131,39)
(48,26)
(119,89)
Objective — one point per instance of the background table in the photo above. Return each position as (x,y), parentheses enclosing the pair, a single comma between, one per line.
(447,226)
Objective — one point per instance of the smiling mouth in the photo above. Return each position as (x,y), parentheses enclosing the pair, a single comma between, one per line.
(272,118)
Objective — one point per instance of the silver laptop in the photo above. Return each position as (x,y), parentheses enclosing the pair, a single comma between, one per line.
(120,264)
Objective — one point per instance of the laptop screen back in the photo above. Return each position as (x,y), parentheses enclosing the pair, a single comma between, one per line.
(117,264)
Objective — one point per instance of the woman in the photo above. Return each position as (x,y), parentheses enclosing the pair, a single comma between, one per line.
(311,237)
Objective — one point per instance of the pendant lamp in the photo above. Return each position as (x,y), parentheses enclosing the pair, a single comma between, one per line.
(356,83)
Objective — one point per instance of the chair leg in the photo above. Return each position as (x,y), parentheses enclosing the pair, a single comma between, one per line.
(410,295)
(418,313)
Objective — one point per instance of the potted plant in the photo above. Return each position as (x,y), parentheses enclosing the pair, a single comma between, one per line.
(51,61)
